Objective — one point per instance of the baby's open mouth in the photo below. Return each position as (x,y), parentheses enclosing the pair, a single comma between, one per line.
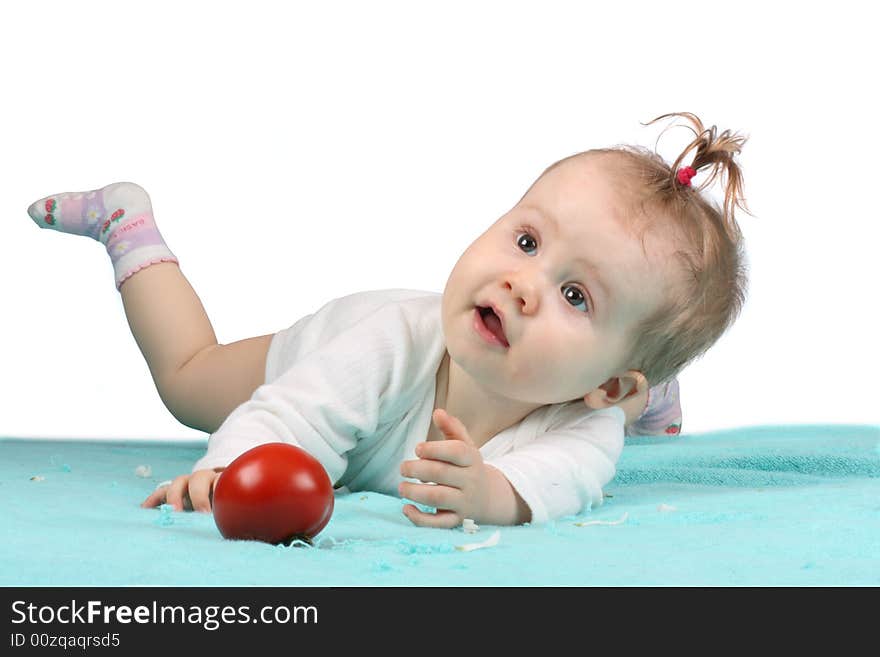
(492,322)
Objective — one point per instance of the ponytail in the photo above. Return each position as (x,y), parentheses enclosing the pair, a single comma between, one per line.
(715,151)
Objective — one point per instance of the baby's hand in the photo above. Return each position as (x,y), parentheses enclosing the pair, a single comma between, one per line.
(461,480)
(189,492)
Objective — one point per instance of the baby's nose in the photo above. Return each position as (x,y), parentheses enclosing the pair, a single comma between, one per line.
(524,293)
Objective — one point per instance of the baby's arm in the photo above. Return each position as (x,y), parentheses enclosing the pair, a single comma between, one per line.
(563,471)
(560,473)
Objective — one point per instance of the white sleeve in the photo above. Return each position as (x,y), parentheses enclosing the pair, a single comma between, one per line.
(326,400)
(562,471)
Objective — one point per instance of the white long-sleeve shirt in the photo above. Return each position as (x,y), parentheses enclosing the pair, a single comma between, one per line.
(354,383)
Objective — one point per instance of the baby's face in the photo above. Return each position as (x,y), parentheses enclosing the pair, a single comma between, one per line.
(570,282)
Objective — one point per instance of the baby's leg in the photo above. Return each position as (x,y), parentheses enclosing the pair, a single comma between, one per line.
(199,381)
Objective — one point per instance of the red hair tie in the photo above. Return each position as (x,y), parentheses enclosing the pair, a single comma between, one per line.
(685,174)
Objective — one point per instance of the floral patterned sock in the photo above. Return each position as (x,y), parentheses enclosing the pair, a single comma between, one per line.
(120,216)
(662,414)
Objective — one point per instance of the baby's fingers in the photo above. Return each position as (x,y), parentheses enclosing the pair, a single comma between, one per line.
(177,494)
(155,498)
(201,489)
(443,518)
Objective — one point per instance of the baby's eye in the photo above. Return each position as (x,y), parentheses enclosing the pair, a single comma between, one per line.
(575,296)
(572,293)
(524,240)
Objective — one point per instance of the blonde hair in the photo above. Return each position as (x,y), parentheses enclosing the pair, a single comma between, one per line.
(711,254)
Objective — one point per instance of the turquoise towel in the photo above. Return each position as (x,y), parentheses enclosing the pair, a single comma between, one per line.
(768,505)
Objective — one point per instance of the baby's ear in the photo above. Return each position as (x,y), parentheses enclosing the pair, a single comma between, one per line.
(617,389)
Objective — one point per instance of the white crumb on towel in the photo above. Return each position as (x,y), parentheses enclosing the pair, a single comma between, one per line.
(489,542)
(603,522)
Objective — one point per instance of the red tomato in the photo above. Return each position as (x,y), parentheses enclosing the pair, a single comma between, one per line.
(274,493)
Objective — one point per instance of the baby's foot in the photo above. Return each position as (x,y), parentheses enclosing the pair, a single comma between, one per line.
(95,213)
(120,216)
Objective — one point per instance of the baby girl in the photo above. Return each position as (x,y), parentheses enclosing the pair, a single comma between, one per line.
(506,398)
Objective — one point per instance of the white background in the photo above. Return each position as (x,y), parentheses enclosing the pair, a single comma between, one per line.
(296,153)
